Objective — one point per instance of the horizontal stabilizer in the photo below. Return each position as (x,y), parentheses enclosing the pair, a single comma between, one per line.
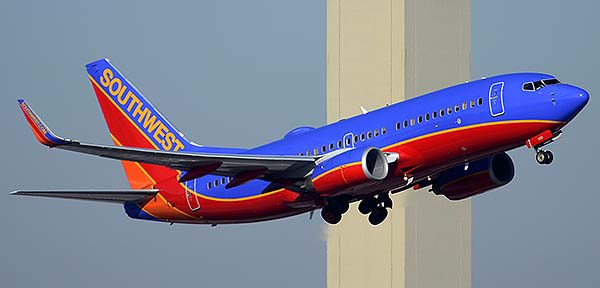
(114,196)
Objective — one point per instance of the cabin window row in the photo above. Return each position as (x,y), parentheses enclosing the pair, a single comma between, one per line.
(340,144)
(221,181)
(441,113)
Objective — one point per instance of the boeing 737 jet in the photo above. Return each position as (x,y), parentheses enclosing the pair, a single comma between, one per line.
(453,140)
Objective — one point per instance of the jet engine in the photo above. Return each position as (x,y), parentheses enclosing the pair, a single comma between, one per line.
(480,176)
(347,169)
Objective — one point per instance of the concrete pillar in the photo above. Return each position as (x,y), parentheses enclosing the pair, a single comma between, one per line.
(386,51)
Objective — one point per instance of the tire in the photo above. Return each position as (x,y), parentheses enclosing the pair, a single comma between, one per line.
(378,216)
(366,205)
(330,215)
(541,157)
(549,157)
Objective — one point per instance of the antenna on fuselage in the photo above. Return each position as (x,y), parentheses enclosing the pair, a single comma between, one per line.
(363,110)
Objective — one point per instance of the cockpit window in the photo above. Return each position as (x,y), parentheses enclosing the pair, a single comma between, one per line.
(532,86)
(538,85)
(552,81)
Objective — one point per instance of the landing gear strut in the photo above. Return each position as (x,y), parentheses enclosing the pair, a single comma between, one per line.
(544,157)
(376,207)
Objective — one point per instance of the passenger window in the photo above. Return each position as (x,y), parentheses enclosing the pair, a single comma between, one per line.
(301,154)
(222,181)
(316,151)
(356,139)
(427,117)
(348,141)
(412,121)
(216,183)
(480,101)
(362,136)
(434,114)
(464,106)
(449,110)
(307,152)
(340,143)
(442,112)
(405,124)
(398,126)
(369,135)
(376,132)
(209,185)
(331,147)
(323,148)
(383,130)
(456,108)
(420,119)
(472,103)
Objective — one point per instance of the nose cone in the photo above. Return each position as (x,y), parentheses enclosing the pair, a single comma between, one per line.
(582,99)
(577,98)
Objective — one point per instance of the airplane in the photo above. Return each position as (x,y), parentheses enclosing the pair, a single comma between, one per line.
(453,140)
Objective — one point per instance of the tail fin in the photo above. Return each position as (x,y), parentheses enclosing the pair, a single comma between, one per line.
(132,120)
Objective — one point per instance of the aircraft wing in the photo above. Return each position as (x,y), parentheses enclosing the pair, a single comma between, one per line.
(268,167)
(115,196)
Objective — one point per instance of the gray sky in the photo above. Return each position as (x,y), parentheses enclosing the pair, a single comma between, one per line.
(542,229)
(241,73)
(231,73)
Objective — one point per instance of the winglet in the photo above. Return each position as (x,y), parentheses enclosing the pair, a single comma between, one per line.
(40,130)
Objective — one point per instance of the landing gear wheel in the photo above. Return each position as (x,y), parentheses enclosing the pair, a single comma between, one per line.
(549,157)
(378,215)
(544,157)
(366,205)
(330,215)
(342,206)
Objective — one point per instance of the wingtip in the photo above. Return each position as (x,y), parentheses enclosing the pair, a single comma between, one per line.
(39,129)
(16,192)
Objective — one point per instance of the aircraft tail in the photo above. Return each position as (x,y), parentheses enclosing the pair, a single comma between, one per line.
(133,121)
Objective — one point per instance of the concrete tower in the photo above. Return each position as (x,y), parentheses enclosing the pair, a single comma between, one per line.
(386,51)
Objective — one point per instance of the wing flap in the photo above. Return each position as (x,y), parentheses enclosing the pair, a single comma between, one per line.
(113,196)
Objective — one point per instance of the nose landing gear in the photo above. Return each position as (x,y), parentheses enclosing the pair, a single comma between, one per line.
(544,157)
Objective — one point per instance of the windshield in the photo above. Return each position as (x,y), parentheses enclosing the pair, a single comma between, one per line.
(532,86)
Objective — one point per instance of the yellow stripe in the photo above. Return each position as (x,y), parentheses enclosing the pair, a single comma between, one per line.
(156,147)
(335,169)
(174,208)
(136,163)
(469,127)
(389,147)
(124,114)
(228,199)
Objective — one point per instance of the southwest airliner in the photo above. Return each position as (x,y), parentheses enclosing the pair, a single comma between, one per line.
(453,140)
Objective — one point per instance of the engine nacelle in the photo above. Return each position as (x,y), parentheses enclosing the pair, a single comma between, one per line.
(347,169)
(481,176)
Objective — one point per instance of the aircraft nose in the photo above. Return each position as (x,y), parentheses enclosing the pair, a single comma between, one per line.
(583,98)
(577,99)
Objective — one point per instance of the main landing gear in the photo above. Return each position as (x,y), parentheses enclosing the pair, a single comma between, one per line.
(376,207)
(333,210)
